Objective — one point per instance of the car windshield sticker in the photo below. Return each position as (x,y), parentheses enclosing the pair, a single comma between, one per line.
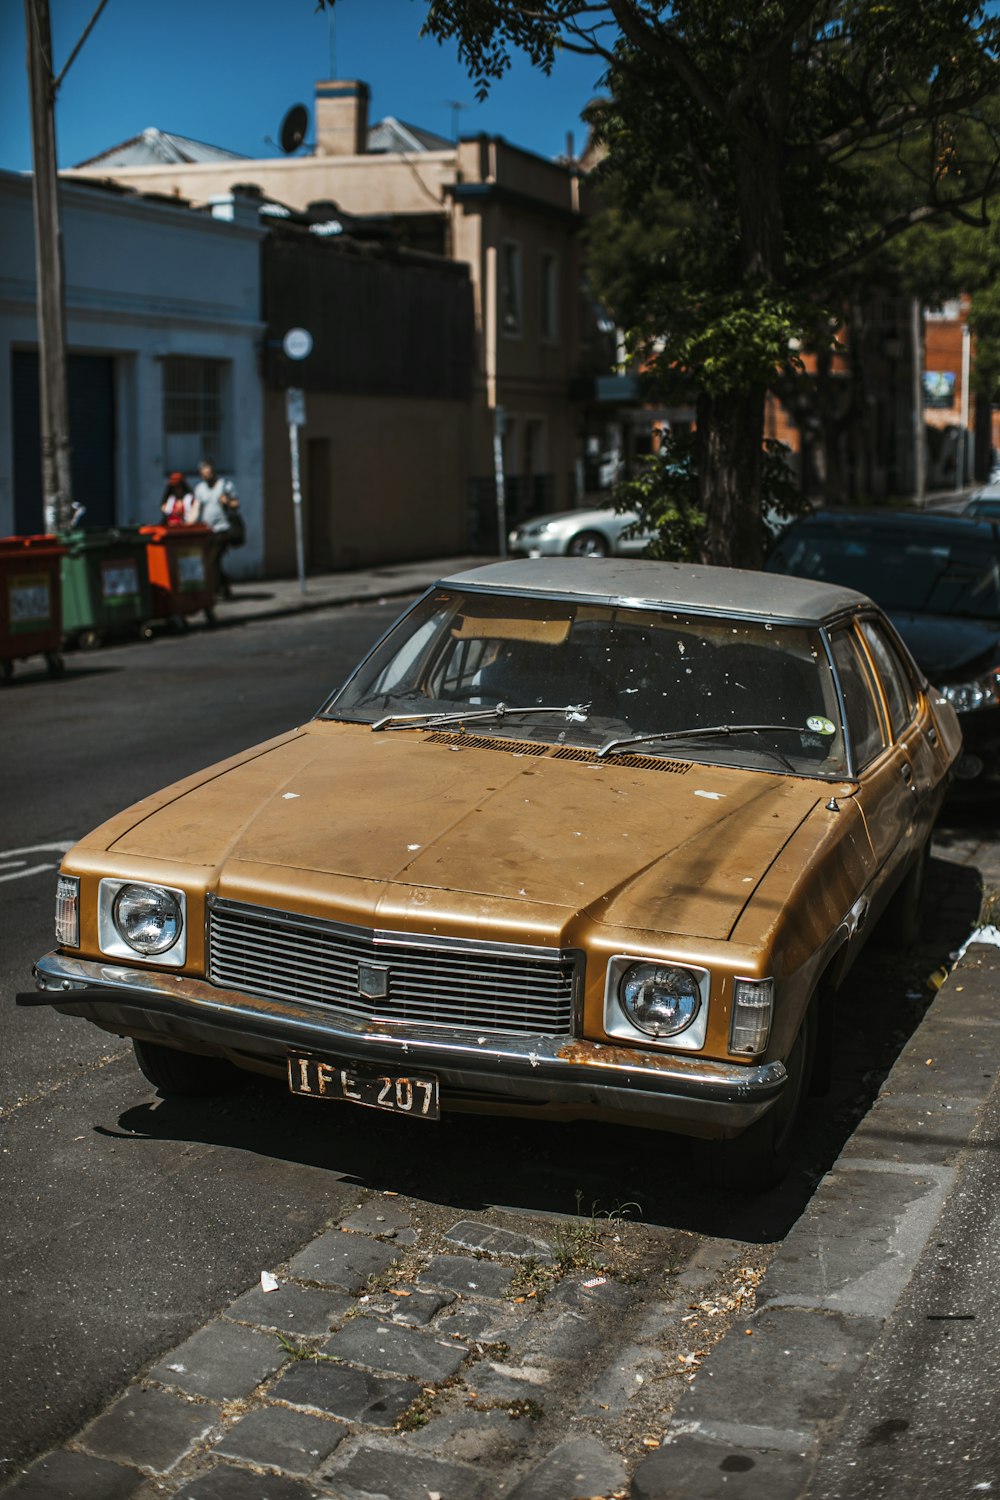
(819,725)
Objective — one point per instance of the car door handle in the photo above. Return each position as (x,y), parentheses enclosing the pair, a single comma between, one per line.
(906,771)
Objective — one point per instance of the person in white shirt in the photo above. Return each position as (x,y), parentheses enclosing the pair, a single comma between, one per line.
(217,502)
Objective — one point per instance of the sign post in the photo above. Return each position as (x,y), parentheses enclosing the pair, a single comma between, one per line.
(295,411)
(297,345)
(499,422)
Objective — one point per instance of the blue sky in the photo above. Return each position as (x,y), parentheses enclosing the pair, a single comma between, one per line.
(225,72)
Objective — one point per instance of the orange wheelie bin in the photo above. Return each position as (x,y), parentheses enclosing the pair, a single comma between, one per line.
(30,602)
(181,564)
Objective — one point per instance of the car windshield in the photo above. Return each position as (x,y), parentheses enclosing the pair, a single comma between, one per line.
(568,672)
(934,574)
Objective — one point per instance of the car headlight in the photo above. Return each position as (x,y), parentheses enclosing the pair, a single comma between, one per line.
(660,999)
(136,918)
(147,917)
(981,692)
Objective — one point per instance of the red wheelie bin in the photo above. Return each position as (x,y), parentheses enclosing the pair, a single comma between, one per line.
(30,602)
(180,561)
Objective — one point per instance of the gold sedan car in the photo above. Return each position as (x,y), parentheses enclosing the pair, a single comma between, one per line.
(592,840)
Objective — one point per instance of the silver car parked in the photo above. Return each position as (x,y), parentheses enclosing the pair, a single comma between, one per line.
(579,533)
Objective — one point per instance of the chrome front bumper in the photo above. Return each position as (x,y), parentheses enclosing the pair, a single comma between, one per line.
(592,1077)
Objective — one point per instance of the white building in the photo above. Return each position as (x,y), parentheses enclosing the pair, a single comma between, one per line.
(163,331)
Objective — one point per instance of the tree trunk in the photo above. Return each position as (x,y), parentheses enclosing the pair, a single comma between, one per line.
(731,423)
(730,426)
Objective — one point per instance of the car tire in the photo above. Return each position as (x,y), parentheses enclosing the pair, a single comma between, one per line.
(901,923)
(588,544)
(172,1072)
(759,1158)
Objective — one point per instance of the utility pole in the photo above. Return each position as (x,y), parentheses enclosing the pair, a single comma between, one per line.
(53,389)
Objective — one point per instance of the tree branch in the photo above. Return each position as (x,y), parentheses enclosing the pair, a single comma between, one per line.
(654,41)
(922,213)
(903,115)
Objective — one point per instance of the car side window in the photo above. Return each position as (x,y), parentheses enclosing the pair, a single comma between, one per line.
(864,722)
(899,690)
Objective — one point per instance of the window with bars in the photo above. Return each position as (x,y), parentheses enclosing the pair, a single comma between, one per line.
(549,306)
(194,413)
(510,288)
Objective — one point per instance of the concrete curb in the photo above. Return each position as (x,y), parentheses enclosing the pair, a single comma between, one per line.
(770,1398)
(365,586)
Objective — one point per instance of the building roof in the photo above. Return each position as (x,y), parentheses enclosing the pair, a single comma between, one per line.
(155,147)
(392,135)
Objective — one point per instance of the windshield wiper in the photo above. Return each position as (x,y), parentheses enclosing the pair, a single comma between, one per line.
(573,712)
(710,731)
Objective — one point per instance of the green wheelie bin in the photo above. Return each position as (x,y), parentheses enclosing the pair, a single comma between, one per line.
(105,585)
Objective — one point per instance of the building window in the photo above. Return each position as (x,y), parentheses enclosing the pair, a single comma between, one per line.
(194,413)
(550,297)
(510,289)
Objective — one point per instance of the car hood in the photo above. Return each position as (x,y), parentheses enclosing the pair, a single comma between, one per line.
(678,849)
(944,645)
(578,518)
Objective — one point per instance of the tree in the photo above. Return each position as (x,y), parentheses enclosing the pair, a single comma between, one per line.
(755,139)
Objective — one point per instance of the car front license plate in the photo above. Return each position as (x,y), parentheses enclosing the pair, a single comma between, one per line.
(401,1094)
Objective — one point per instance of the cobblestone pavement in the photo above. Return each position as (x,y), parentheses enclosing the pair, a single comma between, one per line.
(406,1354)
(384,1362)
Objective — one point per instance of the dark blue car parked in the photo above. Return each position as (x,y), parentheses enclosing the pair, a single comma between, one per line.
(938,579)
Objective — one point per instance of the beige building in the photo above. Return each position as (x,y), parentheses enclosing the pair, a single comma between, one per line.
(511,217)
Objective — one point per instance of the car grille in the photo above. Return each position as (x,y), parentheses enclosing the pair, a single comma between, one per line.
(390,977)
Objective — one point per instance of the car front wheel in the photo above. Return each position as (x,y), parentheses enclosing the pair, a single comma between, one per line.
(183,1073)
(901,922)
(759,1158)
(588,544)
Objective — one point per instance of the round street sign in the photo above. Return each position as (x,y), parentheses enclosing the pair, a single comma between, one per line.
(297,343)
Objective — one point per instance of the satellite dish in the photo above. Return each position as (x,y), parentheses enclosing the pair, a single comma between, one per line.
(293,129)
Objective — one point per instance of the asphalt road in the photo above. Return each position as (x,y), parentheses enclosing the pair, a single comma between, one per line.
(129,1220)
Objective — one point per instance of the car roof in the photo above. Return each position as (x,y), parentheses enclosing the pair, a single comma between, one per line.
(694,586)
(892,522)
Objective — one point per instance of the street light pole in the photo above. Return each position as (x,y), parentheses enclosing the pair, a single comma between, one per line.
(53,388)
(919,434)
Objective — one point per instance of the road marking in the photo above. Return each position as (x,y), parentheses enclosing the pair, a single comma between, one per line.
(28,870)
(17,867)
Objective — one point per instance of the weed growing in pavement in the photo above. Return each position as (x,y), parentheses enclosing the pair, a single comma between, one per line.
(424,1406)
(589,1245)
(304,1351)
(514,1409)
(497,1350)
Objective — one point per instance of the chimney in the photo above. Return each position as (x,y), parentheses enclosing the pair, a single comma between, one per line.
(341,118)
(240,206)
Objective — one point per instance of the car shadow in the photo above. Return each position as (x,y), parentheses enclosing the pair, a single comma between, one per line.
(469,1163)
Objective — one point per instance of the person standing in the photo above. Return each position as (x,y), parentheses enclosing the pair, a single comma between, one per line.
(217,503)
(178,506)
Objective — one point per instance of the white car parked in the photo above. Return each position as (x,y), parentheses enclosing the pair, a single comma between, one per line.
(579,533)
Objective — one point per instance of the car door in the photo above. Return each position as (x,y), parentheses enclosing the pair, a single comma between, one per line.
(912,729)
(882,767)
